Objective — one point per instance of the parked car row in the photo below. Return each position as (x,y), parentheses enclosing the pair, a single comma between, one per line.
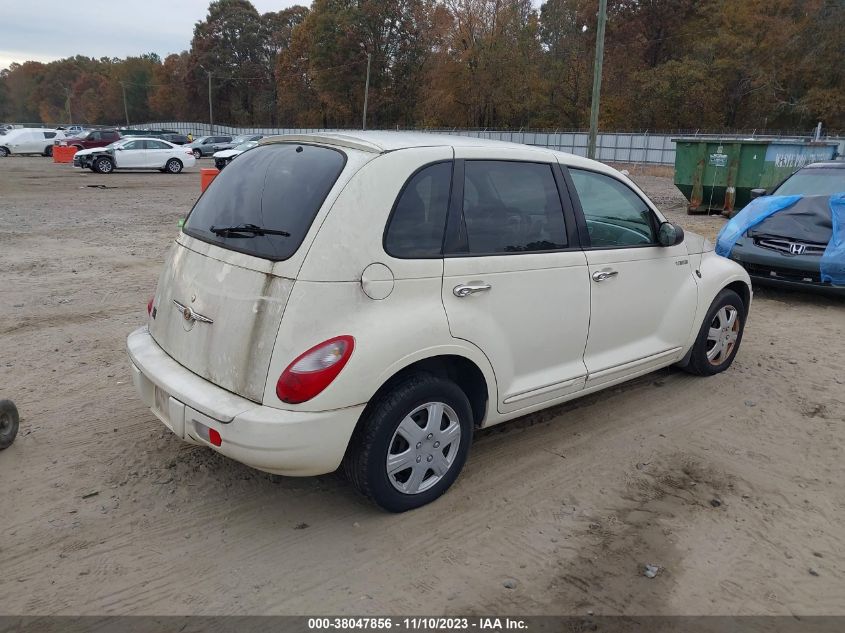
(42,140)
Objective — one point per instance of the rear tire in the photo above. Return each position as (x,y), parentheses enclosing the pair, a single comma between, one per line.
(173,166)
(197,154)
(9,423)
(103,165)
(719,337)
(48,151)
(4,151)
(426,454)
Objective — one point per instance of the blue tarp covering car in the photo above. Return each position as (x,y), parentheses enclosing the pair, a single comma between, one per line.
(833,261)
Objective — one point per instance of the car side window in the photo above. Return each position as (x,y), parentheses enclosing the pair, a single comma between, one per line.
(512,207)
(134,145)
(615,215)
(157,145)
(416,226)
(49,134)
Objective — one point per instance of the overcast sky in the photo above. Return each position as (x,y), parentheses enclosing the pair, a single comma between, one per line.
(44,30)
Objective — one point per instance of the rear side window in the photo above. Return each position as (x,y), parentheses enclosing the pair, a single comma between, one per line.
(512,207)
(49,134)
(277,188)
(418,221)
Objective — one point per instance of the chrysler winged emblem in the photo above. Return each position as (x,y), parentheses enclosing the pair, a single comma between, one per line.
(190,315)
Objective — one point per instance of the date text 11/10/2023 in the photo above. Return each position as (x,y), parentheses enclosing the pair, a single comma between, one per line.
(418,624)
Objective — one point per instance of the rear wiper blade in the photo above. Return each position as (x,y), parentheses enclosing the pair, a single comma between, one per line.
(245,230)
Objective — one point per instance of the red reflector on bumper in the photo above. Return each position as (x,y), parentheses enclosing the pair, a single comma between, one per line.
(214,437)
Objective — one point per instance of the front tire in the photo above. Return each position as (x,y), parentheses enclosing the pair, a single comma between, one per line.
(412,444)
(103,165)
(4,151)
(173,166)
(197,154)
(9,423)
(720,335)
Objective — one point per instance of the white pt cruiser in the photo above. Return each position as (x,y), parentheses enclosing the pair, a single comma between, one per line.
(370,299)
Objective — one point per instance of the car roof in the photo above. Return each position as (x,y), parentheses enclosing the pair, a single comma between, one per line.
(381,141)
(826,164)
(143,138)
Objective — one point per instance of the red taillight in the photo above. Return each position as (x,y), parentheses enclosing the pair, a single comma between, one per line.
(214,437)
(150,306)
(314,370)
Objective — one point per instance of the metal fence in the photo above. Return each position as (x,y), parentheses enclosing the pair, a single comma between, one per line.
(611,147)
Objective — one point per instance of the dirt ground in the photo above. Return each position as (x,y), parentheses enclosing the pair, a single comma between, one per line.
(732,485)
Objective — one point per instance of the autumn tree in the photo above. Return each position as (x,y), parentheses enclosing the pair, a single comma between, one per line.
(692,64)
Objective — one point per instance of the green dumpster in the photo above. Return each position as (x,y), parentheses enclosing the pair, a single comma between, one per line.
(719,174)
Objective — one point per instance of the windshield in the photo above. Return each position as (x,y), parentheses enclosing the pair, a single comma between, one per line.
(278,187)
(816,181)
(245,146)
(239,139)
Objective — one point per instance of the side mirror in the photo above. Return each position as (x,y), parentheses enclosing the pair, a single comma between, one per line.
(758,193)
(119,149)
(670,234)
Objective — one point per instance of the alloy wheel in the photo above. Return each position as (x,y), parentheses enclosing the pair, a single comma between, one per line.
(723,334)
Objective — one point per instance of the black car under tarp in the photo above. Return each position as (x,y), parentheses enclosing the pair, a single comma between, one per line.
(808,220)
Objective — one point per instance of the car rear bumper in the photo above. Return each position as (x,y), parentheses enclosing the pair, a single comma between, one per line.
(274,440)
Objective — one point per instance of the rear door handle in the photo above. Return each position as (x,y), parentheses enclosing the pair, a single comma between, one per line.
(604,275)
(464,290)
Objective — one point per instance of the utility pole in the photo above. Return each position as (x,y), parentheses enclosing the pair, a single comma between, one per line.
(125,107)
(210,112)
(366,91)
(594,106)
(67,104)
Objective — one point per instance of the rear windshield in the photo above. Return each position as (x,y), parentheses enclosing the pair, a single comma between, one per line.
(816,181)
(277,187)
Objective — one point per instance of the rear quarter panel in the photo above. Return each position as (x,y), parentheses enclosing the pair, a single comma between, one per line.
(390,334)
(328,299)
